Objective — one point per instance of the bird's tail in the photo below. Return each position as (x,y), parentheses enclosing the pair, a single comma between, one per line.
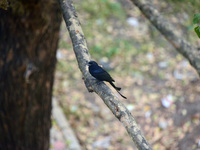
(117,89)
(121,95)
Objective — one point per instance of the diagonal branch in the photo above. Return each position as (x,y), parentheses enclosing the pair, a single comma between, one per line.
(83,57)
(166,28)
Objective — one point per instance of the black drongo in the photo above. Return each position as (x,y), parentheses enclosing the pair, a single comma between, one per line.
(101,75)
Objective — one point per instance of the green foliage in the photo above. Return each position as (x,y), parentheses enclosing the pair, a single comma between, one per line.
(197,30)
(188,8)
(110,48)
(193,3)
(101,8)
(102,16)
(196,18)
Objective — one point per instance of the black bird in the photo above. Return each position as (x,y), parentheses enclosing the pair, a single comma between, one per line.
(100,74)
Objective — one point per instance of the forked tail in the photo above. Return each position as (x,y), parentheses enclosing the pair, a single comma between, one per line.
(121,95)
(117,89)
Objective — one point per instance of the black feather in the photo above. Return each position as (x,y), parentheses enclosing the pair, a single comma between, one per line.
(100,74)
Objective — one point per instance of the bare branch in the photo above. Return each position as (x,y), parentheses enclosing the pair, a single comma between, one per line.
(83,57)
(169,32)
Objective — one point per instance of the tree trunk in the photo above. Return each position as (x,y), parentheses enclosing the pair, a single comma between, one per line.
(29,32)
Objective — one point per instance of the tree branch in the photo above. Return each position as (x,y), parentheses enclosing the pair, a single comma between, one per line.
(83,57)
(166,28)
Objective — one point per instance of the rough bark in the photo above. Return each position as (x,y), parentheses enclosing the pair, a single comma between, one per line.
(169,32)
(29,32)
(83,57)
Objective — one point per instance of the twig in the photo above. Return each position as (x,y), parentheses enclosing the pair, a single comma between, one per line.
(169,32)
(83,57)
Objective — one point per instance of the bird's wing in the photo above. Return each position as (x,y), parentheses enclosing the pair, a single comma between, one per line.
(102,75)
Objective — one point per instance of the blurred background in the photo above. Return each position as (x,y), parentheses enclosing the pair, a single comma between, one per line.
(162,88)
